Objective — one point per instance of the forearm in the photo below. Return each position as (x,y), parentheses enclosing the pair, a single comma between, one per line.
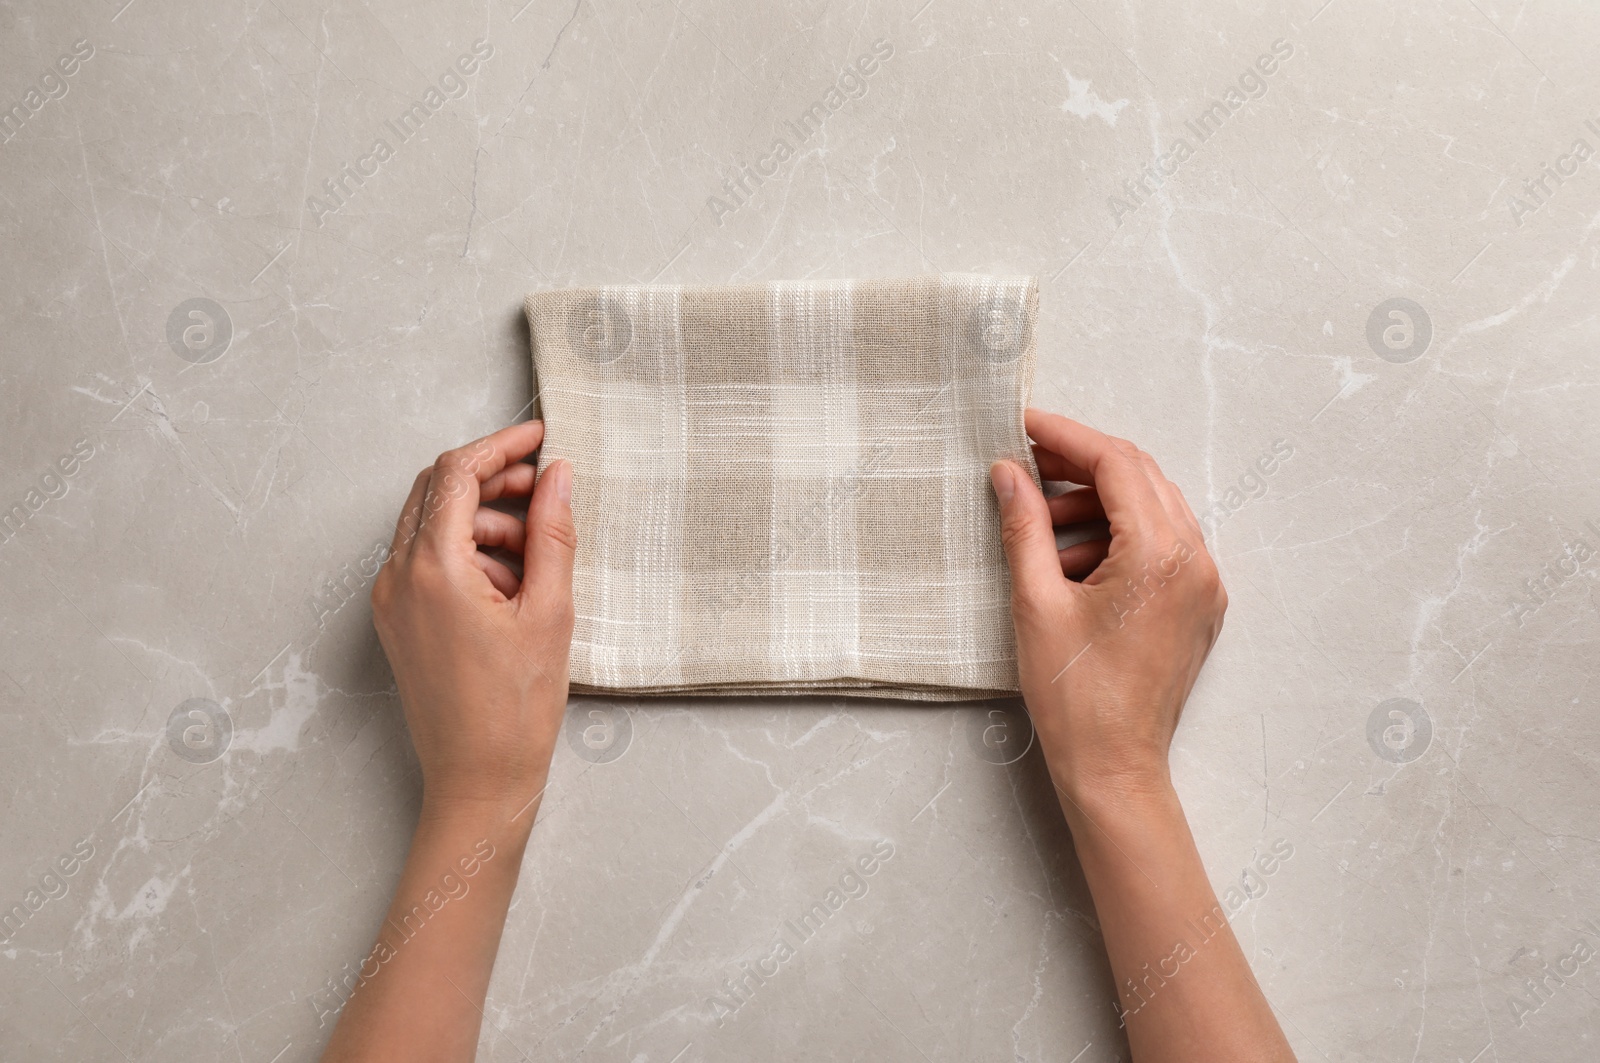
(1185,988)
(423,984)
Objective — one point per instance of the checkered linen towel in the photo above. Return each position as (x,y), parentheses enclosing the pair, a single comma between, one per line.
(784,488)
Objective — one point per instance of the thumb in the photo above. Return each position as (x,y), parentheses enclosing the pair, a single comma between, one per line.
(1025,530)
(552,539)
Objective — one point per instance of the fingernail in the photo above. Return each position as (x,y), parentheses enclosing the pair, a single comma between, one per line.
(564,481)
(1004,485)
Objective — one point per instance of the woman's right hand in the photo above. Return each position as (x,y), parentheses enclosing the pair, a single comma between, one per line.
(1107,663)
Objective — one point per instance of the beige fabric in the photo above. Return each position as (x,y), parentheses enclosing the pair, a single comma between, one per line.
(784,488)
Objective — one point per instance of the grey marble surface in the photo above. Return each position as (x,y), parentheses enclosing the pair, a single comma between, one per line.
(1402,697)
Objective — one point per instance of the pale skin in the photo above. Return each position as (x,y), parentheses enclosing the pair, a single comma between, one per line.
(480,658)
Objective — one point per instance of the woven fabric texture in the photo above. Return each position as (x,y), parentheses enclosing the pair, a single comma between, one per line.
(784,488)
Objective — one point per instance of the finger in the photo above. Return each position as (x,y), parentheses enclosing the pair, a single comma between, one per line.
(410,519)
(1075,507)
(552,539)
(1179,505)
(1186,511)
(501,577)
(1053,466)
(1130,499)
(490,527)
(1080,559)
(1181,519)
(1025,531)
(453,490)
(513,481)
(1164,488)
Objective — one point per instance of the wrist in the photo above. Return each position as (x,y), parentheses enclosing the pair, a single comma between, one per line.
(1104,792)
(505,818)
(1094,768)
(1117,832)
(1125,800)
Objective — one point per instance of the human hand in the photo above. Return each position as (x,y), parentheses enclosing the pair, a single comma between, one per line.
(480,657)
(1106,664)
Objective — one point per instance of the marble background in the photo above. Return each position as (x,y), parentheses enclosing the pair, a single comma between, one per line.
(1402,696)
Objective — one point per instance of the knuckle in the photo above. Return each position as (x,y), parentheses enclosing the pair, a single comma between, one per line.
(561,612)
(382,593)
(1015,535)
(1027,590)
(411,524)
(553,611)
(1142,542)
(1025,598)
(559,533)
(455,464)
(451,482)
(1031,605)
(427,573)
(1208,580)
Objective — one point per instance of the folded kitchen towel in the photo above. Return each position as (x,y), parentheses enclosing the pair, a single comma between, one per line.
(784,488)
